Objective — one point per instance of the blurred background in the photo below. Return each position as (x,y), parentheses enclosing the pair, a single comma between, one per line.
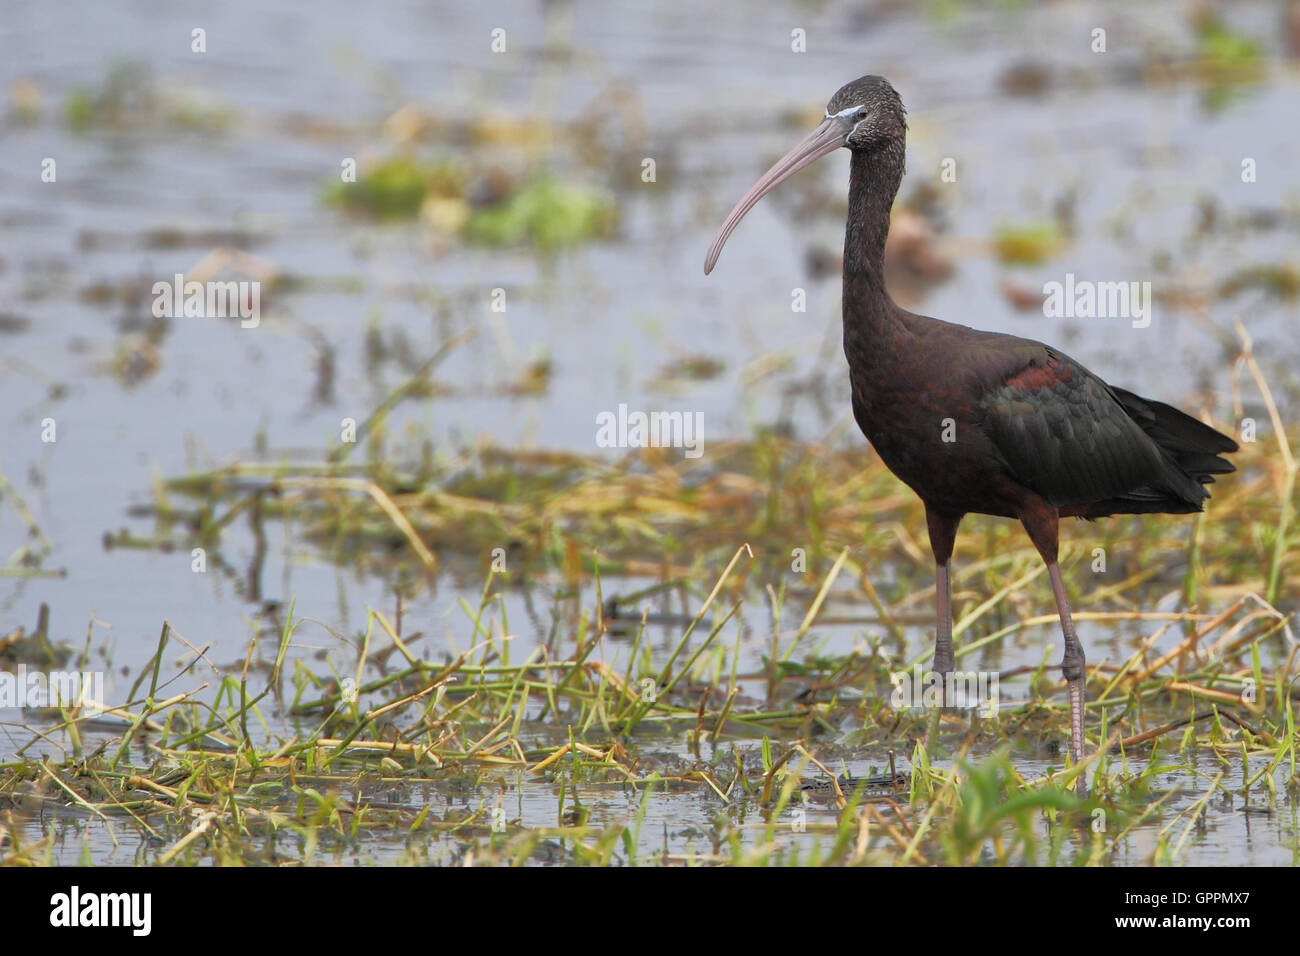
(578,157)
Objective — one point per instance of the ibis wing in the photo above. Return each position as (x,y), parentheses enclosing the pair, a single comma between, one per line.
(1195,446)
(1066,434)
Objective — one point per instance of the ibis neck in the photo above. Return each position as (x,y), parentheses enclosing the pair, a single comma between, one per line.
(874,178)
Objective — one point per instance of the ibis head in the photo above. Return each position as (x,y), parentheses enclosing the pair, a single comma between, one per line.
(865,115)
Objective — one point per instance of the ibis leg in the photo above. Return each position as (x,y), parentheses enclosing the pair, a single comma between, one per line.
(944,659)
(943,532)
(1042,522)
(1072,665)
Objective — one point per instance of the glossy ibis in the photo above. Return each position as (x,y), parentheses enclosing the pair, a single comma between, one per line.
(981,422)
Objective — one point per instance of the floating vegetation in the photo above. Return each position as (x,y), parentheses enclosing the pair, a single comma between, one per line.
(1222,49)
(534,378)
(541,212)
(688,368)
(25,101)
(1279,281)
(11,324)
(396,187)
(1027,245)
(19,647)
(129,99)
(1225,61)
(546,214)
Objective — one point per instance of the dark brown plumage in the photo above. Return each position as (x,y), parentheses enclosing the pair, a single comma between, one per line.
(982,422)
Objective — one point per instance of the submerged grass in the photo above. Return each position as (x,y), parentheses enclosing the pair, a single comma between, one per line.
(655,513)
(587,750)
(421,758)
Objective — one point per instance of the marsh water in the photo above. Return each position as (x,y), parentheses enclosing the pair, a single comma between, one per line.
(1137,169)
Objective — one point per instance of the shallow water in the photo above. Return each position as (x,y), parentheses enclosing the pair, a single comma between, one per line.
(713,96)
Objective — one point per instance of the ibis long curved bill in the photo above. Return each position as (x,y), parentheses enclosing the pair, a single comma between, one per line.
(826,138)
